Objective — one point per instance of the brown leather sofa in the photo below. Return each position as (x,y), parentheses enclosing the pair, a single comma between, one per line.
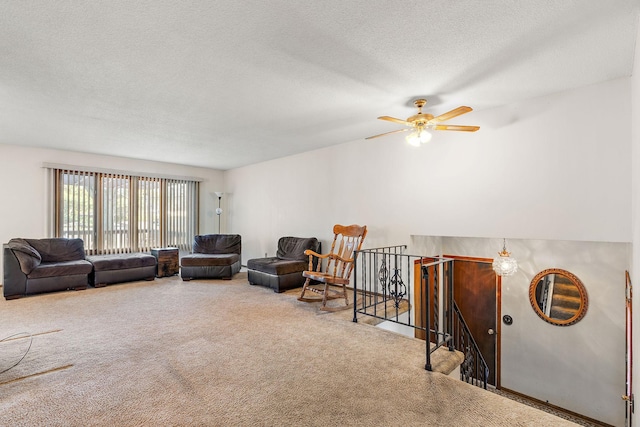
(284,271)
(33,266)
(214,256)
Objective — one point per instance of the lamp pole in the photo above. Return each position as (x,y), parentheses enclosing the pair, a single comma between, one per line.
(219,210)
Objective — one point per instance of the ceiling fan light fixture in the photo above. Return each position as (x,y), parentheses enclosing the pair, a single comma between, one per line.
(417,137)
(419,123)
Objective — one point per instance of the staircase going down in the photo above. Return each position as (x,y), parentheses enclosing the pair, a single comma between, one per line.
(565,302)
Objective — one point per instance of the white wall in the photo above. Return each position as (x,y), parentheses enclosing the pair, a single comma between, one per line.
(23,186)
(555,168)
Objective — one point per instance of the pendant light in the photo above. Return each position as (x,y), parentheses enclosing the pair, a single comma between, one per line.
(504,265)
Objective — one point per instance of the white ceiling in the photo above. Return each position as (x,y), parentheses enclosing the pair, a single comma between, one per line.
(223,84)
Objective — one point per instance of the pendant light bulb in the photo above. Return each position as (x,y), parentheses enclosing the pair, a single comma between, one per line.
(504,265)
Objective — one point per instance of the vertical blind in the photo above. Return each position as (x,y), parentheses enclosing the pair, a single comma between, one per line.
(116,213)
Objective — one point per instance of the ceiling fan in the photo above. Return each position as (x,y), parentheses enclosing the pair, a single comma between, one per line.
(422,122)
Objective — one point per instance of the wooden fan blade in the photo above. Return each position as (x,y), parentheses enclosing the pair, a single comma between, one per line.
(451,114)
(457,127)
(393,119)
(388,133)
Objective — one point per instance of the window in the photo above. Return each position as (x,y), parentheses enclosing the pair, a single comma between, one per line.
(115,213)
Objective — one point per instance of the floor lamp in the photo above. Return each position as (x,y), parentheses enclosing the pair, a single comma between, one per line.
(219,209)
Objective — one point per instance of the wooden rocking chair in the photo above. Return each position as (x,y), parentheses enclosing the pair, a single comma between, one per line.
(337,268)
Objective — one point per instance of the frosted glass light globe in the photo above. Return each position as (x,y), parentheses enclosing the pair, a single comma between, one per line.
(413,139)
(504,265)
(425,136)
(418,137)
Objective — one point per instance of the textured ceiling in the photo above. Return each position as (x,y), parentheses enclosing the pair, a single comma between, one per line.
(223,84)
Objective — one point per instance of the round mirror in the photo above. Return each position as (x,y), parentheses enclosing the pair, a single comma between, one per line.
(558,297)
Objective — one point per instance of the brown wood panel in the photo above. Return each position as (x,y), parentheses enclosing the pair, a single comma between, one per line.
(475,292)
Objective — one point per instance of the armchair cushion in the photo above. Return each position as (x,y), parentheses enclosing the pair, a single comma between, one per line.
(292,248)
(200,259)
(62,268)
(277,266)
(217,244)
(121,261)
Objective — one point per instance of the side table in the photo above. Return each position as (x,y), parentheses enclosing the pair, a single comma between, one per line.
(167,261)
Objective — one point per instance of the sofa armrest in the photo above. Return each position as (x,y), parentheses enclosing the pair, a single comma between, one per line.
(14,284)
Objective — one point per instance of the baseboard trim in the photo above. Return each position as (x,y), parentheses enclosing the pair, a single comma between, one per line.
(555,408)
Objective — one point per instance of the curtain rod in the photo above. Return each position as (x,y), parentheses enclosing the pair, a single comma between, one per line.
(118,172)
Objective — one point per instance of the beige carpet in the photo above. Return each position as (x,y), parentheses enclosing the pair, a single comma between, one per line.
(223,353)
(374,306)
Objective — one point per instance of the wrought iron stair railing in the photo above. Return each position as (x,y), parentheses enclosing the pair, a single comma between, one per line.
(384,288)
(474,369)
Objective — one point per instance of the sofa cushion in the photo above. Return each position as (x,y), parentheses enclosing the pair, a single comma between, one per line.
(121,261)
(62,268)
(277,266)
(292,248)
(27,256)
(58,249)
(203,260)
(217,244)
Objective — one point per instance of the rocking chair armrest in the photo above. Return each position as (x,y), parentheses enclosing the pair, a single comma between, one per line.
(338,257)
(315,254)
(318,264)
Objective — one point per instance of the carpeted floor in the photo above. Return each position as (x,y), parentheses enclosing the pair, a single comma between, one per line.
(221,353)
